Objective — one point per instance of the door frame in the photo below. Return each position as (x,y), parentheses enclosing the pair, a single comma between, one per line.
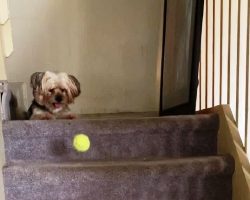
(189,107)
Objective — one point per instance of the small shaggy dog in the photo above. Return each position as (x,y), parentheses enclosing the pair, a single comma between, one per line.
(53,92)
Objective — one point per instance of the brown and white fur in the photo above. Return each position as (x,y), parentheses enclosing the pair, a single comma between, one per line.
(53,92)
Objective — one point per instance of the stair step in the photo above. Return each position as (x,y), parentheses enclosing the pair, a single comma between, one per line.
(112,138)
(206,178)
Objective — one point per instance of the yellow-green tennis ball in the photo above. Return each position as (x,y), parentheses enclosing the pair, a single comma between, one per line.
(81,142)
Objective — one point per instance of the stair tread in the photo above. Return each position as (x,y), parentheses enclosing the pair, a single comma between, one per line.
(209,163)
(103,125)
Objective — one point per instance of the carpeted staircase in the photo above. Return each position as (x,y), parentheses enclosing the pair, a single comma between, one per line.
(136,158)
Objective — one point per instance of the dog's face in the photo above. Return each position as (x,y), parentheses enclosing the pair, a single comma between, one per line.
(54,90)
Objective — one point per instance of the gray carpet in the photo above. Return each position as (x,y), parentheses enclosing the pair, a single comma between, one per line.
(133,158)
(112,139)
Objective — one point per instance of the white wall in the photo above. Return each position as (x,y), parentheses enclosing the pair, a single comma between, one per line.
(111,46)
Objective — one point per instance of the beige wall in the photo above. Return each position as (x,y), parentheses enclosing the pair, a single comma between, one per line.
(111,46)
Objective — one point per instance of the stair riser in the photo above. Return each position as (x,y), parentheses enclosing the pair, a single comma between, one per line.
(112,139)
(180,181)
(124,188)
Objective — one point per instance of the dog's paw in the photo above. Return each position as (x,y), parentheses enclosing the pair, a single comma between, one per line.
(42,116)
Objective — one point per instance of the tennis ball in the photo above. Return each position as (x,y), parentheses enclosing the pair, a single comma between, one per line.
(81,142)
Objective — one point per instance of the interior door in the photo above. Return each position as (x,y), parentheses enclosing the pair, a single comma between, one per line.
(181,55)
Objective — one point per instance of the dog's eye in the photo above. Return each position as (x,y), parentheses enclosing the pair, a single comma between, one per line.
(63,90)
(51,90)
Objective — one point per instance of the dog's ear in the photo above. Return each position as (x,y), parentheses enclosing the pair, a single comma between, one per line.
(36,79)
(75,90)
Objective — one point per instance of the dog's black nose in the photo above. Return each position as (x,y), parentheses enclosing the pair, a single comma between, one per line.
(58,98)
